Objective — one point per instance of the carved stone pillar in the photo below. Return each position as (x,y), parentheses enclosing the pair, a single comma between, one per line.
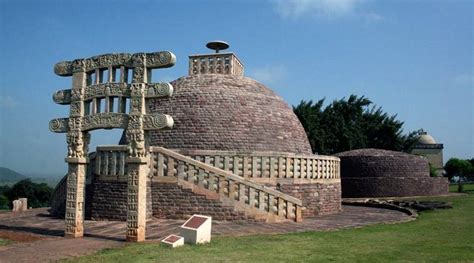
(136,123)
(137,161)
(78,142)
(137,169)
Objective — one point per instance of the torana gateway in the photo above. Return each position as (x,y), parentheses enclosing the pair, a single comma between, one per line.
(214,142)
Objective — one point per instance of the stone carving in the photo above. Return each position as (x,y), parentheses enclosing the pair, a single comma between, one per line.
(159,90)
(78,124)
(75,148)
(59,125)
(62,96)
(138,75)
(107,89)
(63,68)
(136,89)
(161,59)
(111,120)
(135,122)
(157,121)
(77,94)
(75,109)
(101,90)
(74,123)
(104,121)
(136,142)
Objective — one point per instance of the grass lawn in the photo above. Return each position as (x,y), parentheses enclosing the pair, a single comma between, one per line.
(440,236)
(467,188)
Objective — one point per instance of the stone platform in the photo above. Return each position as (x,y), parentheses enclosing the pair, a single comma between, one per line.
(48,244)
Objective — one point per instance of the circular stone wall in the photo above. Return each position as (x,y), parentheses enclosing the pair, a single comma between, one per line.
(382,173)
(227,112)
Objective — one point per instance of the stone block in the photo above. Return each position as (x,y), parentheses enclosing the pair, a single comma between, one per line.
(23,204)
(16,205)
(197,229)
(20,205)
(173,241)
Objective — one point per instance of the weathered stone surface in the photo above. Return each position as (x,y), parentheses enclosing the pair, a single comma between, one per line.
(227,112)
(318,199)
(16,205)
(109,202)
(379,173)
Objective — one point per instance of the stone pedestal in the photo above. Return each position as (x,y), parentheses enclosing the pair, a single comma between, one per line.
(173,241)
(196,230)
(75,197)
(137,171)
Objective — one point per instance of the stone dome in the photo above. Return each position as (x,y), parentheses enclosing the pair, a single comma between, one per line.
(382,163)
(425,138)
(379,173)
(229,113)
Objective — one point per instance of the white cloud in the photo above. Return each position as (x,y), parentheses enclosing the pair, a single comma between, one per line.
(330,9)
(7,102)
(270,74)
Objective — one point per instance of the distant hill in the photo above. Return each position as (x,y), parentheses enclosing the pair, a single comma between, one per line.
(8,176)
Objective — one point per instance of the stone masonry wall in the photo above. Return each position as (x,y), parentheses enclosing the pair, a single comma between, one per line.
(382,173)
(226,112)
(164,200)
(392,187)
(109,201)
(319,199)
(172,201)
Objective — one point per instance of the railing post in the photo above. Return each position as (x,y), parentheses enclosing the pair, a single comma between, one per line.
(298,217)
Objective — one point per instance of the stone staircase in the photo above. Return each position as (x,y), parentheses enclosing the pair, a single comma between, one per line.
(253,199)
(181,185)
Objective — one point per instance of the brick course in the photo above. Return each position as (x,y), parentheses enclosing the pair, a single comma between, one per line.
(382,173)
(227,112)
(168,200)
(318,199)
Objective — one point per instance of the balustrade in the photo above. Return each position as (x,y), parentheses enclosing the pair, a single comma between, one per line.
(228,186)
(263,165)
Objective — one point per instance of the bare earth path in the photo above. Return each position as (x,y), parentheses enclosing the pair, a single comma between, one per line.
(39,237)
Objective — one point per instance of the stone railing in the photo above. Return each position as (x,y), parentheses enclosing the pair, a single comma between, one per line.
(268,167)
(110,162)
(220,63)
(261,167)
(253,198)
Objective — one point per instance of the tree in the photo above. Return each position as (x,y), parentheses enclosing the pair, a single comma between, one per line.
(351,124)
(38,195)
(460,168)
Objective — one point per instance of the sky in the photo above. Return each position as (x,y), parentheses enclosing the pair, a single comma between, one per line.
(413,58)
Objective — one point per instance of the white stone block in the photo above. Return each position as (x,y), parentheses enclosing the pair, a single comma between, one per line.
(197,229)
(23,204)
(173,241)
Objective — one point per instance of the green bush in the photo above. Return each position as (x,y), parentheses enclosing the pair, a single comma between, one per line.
(3,202)
(38,195)
(433,171)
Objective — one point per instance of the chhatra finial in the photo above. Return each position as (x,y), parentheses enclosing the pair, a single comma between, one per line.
(217,45)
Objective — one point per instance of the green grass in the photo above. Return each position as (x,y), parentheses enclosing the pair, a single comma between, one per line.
(467,188)
(436,236)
